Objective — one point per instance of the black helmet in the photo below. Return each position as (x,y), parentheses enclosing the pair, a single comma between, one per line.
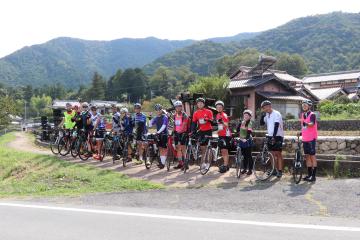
(158,107)
(200,99)
(308,102)
(265,103)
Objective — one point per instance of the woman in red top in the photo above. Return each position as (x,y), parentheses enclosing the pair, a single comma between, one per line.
(224,134)
(202,118)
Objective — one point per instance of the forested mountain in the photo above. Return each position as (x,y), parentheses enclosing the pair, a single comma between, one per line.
(72,62)
(328,42)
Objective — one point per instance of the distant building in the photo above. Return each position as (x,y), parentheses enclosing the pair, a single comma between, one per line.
(250,86)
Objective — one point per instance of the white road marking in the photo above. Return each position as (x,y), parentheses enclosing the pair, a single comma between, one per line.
(184,218)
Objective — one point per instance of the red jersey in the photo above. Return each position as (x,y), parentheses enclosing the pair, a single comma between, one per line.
(223,131)
(201,116)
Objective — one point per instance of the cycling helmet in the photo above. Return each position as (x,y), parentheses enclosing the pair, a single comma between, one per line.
(265,103)
(137,105)
(219,103)
(308,102)
(178,104)
(68,105)
(200,99)
(247,111)
(158,107)
(124,110)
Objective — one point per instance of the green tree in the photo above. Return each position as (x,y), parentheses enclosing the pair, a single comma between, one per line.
(213,87)
(8,107)
(40,106)
(293,64)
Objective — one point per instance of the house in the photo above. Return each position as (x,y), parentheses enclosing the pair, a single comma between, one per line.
(319,94)
(248,87)
(348,80)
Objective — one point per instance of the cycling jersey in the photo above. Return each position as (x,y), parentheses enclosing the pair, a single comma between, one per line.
(85,115)
(68,122)
(140,125)
(223,131)
(116,122)
(161,123)
(181,123)
(98,118)
(203,117)
(126,125)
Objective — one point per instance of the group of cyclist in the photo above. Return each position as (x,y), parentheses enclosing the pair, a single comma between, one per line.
(202,124)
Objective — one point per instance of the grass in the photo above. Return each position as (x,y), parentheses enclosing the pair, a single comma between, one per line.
(28,174)
(340,116)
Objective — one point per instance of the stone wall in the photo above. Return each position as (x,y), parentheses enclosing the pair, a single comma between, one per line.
(325,145)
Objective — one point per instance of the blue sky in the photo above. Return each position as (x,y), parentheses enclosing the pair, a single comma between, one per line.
(28,22)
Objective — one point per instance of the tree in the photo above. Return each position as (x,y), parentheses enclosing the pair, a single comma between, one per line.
(212,87)
(8,107)
(293,64)
(40,106)
(97,89)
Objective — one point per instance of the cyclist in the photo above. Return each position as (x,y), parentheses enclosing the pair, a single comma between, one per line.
(244,131)
(181,128)
(202,120)
(98,123)
(67,122)
(116,127)
(224,134)
(140,130)
(275,130)
(161,122)
(309,133)
(126,126)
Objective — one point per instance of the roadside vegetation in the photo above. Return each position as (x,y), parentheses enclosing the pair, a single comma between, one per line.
(28,174)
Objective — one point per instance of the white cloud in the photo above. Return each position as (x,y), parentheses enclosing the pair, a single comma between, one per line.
(25,22)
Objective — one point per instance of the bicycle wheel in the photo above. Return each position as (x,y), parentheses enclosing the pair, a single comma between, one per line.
(74,148)
(239,158)
(64,146)
(54,140)
(206,161)
(187,159)
(125,154)
(264,166)
(169,158)
(83,150)
(297,167)
(149,157)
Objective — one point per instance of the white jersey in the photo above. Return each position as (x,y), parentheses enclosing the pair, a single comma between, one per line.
(270,120)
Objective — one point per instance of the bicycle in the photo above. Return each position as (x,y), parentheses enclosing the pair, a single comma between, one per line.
(192,152)
(239,158)
(264,164)
(298,162)
(116,146)
(211,154)
(66,142)
(171,153)
(57,133)
(152,150)
(125,148)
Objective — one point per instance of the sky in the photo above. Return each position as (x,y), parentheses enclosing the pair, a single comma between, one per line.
(29,22)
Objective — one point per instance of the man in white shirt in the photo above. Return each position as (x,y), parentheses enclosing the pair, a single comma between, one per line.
(275,130)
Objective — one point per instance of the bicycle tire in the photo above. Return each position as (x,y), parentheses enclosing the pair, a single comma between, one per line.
(239,158)
(125,154)
(297,169)
(187,159)
(54,144)
(83,151)
(74,148)
(149,157)
(205,163)
(63,147)
(264,166)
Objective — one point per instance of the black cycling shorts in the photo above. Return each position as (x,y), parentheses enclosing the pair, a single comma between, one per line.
(224,143)
(99,134)
(162,141)
(277,146)
(180,138)
(310,148)
(203,137)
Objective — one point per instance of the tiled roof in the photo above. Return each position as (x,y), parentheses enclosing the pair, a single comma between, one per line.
(62,103)
(279,96)
(287,77)
(332,76)
(251,82)
(325,93)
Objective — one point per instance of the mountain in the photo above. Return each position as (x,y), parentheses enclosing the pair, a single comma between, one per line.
(72,61)
(235,38)
(328,42)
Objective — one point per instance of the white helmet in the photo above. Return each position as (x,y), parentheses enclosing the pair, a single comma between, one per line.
(178,104)
(124,110)
(219,103)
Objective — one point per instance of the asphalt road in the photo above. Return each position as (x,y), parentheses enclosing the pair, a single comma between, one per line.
(276,210)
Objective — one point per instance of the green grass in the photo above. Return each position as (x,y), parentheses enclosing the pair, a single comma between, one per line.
(341,116)
(28,174)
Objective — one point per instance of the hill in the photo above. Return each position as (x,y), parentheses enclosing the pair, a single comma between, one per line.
(73,61)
